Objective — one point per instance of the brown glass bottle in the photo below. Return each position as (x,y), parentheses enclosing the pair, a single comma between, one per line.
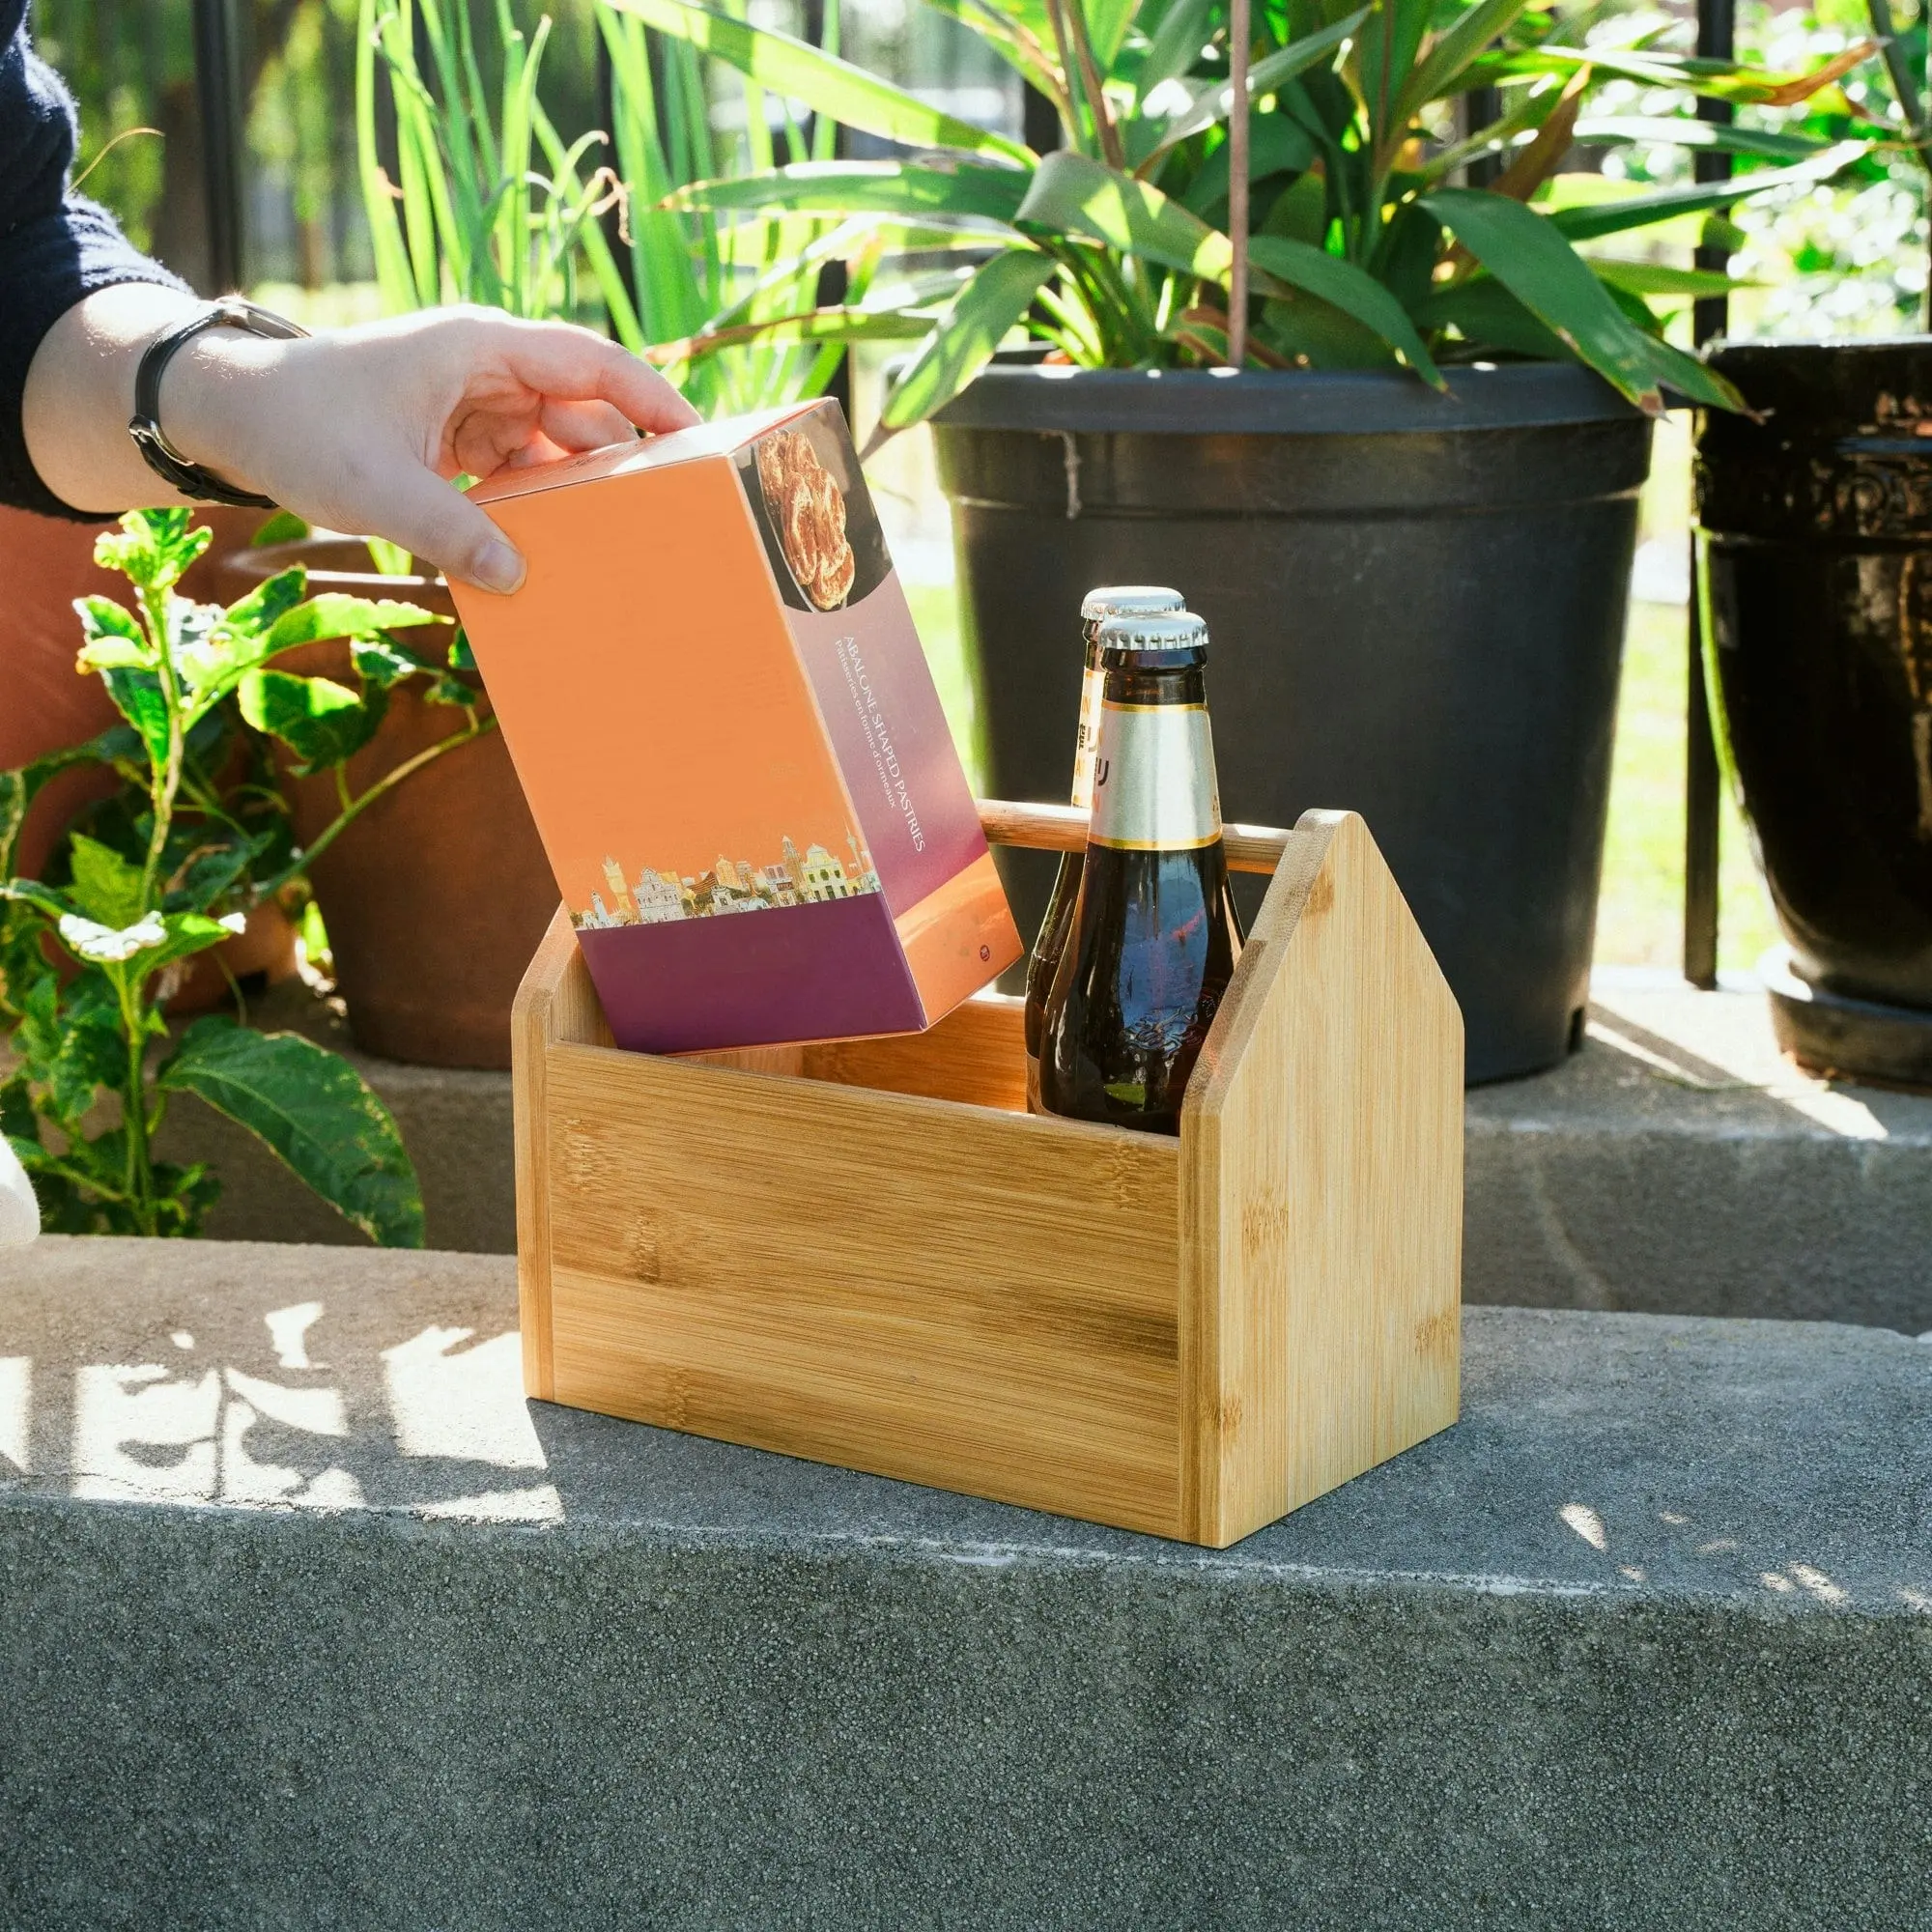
(1155,934)
(1112,600)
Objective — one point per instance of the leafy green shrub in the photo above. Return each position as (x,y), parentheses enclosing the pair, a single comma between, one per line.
(169,866)
(1364,252)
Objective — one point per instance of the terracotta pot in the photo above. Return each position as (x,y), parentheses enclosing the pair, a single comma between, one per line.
(436,897)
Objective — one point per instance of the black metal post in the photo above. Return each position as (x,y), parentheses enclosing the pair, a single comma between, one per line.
(1481,106)
(1040,121)
(1708,317)
(218,92)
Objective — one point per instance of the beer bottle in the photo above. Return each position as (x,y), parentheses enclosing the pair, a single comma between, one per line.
(1154,934)
(1113,600)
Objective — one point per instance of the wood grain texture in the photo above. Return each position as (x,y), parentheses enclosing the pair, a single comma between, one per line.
(977,1300)
(555,1002)
(976,1055)
(1320,1196)
(886,1263)
(1063,827)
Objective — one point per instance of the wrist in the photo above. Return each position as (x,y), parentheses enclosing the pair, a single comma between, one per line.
(211,393)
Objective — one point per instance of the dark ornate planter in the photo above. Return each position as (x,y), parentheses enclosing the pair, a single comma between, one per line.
(1817,542)
(1417,606)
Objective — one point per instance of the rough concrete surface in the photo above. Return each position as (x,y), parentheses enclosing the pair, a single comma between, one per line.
(1679,1164)
(1676,1165)
(307,1619)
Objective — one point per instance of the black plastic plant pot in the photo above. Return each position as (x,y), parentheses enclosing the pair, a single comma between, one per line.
(1817,547)
(1416,605)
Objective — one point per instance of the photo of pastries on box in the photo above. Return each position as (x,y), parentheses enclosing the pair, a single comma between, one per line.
(816,520)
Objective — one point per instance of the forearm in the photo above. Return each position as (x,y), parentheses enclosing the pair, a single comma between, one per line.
(358,429)
(80,395)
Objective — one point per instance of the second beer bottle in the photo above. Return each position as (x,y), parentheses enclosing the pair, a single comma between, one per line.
(1112,600)
(1154,932)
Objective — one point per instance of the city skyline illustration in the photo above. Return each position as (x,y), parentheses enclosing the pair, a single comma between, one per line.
(652,895)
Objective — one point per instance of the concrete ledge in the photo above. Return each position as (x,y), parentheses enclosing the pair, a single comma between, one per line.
(1678,1164)
(307,1619)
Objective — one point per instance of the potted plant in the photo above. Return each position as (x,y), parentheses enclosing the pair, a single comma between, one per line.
(1383,427)
(165,870)
(1815,564)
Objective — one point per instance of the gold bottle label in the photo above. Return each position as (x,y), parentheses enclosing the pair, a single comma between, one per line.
(1092,689)
(1154,779)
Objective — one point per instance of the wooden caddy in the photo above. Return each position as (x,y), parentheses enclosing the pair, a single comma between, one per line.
(867,1252)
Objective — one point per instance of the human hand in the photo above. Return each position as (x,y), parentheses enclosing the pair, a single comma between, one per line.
(362,429)
(355,429)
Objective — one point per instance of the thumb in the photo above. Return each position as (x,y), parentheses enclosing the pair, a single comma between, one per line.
(417,508)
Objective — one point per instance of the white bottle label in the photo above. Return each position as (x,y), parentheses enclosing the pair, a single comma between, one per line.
(1092,688)
(1154,779)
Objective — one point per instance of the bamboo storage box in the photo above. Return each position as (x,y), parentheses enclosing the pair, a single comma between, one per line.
(867,1252)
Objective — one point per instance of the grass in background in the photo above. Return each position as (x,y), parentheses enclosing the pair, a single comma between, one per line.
(1640,916)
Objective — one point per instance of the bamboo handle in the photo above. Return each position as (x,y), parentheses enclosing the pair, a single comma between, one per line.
(1063,827)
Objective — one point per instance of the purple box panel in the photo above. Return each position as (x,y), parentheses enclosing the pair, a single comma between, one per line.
(827,971)
(882,710)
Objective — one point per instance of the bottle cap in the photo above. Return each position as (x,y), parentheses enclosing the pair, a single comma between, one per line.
(1129,600)
(1174,631)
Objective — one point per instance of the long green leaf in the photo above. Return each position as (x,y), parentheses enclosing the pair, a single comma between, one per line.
(1450,52)
(1490,318)
(1527,254)
(1659,278)
(1641,210)
(1603,130)
(827,85)
(1176,46)
(378,204)
(965,336)
(1073,195)
(1384,59)
(1274,70)
(816,325)
(1717,79)
(851,187)
(1351,289)
(314,1110)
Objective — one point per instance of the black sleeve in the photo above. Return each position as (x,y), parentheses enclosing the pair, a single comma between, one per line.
(56,246)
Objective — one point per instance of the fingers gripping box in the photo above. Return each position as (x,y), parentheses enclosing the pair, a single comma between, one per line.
(712,693)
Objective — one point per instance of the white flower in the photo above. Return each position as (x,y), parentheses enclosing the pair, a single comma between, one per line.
(106,945)
(233,921)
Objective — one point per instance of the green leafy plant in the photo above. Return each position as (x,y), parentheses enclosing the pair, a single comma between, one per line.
(1367,247)
(168,867)
(491,205)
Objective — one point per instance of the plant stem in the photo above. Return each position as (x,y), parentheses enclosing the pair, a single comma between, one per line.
(1056,15)
(1240,32)
(139,1171)
(1109,136)
(304,859)
(155,606)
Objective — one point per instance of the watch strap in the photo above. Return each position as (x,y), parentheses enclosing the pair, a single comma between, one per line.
(192,479)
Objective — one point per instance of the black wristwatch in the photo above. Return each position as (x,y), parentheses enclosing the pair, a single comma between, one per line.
(162,457)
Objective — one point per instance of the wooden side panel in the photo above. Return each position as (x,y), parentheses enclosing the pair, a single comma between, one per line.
(976,1055)
(1320,1196)
(555,1002)
(977,1300)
